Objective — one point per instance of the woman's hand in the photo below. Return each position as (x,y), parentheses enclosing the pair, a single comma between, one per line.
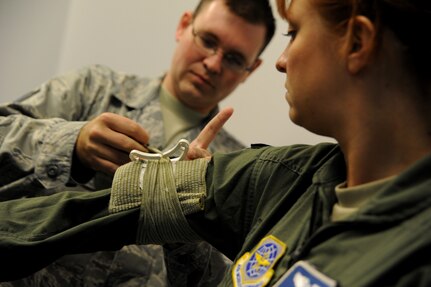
(198,148)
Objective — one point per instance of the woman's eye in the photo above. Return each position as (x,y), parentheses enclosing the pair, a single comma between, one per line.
(291,34)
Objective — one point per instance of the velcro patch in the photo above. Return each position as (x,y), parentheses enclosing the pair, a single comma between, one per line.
(303,274)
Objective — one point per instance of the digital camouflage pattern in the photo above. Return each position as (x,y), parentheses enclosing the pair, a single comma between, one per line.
(37,137)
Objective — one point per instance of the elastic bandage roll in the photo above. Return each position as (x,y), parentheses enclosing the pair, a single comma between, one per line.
(166,192)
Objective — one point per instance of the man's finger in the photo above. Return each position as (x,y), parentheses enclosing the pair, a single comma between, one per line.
(125,126)
(207,135)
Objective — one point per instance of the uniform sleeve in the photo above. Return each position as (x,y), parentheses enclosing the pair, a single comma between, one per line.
(419,276)
(38,133)
(36,231)
(190,200)
(231,200)
(200,264)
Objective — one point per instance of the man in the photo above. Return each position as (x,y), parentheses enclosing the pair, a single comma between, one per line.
(76,130)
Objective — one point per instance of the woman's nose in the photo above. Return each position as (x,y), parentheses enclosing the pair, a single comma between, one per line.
(280,65)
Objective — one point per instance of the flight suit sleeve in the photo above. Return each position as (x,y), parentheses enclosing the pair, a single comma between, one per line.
(190,201)
(36,231)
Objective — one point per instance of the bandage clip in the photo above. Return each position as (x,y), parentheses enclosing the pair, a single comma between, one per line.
(180,148)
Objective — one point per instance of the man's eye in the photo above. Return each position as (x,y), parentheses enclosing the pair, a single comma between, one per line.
(234,60)
(209,42)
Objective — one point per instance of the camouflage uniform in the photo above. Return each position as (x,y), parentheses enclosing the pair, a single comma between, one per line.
(37,138)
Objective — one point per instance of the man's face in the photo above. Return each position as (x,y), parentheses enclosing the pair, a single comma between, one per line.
(200,80)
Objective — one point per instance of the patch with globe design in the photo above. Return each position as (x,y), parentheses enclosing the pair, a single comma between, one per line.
(255,268)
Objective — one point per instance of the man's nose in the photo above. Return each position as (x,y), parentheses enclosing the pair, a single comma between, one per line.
(214,62)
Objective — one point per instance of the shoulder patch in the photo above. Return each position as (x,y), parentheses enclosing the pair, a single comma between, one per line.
(255,268)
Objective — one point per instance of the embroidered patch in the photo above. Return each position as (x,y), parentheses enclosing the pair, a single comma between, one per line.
(303,274)
(254,269)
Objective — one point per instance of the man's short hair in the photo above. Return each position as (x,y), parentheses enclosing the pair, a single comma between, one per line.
(252,11)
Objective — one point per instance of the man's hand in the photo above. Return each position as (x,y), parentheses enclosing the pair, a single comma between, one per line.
(105,142)
(198,148)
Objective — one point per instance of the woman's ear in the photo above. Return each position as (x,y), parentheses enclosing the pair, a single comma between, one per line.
(361,43)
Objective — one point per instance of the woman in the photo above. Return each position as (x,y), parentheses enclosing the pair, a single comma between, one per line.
(356,213)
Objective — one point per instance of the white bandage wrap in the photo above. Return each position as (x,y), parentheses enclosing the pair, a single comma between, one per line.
(164,197)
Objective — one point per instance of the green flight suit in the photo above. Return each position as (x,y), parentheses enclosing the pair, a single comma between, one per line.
(285,194)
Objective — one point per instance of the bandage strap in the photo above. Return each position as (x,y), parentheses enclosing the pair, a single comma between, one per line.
(165,193)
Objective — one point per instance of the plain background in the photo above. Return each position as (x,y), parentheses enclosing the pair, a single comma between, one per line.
(44,38)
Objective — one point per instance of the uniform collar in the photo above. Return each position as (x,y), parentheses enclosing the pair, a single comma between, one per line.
(144,90)
(406,196)
(138,92)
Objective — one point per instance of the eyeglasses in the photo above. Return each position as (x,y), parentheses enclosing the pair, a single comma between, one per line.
(209,45)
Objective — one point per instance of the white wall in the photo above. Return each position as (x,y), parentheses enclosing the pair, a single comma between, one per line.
(40,39)
(31,35)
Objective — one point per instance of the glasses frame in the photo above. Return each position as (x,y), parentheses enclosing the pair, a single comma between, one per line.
(214,51)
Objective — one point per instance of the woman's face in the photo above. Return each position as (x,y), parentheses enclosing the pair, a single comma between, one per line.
(314,69)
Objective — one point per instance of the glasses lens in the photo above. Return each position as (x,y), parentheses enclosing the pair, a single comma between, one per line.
(206,43)
(234,62)
(209,45)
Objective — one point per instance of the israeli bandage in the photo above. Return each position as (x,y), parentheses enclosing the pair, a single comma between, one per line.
(166,192)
